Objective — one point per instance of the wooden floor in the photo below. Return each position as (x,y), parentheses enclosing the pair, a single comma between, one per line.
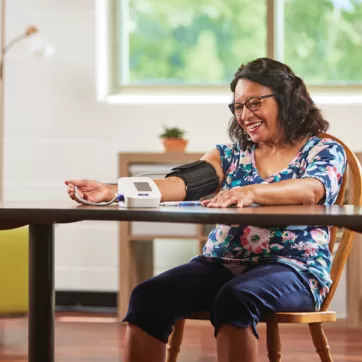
(96,339)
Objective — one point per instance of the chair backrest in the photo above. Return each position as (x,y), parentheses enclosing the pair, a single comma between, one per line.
(355,198)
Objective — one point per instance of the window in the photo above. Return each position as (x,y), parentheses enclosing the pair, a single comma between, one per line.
(323,41)
(188,45)
(192,42)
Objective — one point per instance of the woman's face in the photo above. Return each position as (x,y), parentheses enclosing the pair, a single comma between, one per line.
(261,123)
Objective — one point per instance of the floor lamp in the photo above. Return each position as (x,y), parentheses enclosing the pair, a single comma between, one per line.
(38,46)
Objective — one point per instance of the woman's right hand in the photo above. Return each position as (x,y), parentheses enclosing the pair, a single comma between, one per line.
(89,190)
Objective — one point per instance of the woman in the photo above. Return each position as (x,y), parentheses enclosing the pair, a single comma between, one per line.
(246,272)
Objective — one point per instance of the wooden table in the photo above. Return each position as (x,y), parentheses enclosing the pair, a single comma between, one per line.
(42,217)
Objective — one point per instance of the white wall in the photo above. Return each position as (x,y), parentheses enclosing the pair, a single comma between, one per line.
(55,129)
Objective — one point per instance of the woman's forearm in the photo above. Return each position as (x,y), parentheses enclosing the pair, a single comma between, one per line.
(112,190)
(171,188)
(306,191)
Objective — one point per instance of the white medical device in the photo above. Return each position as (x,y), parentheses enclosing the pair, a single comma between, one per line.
(138,192)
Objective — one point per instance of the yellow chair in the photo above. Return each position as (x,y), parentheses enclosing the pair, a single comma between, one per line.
(313,319)
(14,272)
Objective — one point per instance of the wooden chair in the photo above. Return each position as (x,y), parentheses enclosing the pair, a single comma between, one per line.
(313,319)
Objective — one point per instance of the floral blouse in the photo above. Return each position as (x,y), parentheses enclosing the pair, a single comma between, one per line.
(303,248)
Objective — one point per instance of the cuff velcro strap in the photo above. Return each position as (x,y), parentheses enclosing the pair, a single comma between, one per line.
(200,179)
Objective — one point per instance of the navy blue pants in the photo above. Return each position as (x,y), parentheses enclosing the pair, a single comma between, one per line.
(200,285)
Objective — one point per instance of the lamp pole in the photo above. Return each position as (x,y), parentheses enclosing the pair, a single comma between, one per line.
(29,31)
(44,51)
(2,46)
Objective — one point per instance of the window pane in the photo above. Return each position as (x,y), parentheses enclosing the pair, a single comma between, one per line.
(193,42)
(323,40)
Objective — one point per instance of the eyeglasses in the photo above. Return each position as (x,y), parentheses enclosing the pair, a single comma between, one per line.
(253,104)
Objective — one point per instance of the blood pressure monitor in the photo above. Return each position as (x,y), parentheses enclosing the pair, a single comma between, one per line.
(138,192)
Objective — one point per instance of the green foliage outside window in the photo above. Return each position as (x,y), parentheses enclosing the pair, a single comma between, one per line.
(193,41)
(323,40)
(204,42)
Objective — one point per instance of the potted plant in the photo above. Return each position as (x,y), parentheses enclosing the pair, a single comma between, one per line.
(173,139)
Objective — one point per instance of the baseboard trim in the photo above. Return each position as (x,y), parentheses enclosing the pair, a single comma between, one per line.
(70,298)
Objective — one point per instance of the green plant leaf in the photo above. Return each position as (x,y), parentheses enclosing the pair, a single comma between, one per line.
(173,132)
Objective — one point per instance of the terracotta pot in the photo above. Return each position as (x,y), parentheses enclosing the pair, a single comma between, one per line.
(174,144)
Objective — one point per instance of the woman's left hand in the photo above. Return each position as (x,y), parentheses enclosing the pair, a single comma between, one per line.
(239,196)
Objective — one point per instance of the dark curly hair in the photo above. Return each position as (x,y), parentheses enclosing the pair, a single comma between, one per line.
(297,113)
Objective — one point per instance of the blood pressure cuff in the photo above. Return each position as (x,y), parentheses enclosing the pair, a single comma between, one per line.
(200,179)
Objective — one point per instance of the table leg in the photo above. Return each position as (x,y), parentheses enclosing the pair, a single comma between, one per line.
(41,293)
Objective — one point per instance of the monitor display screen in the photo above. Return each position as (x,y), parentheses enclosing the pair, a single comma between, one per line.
(142,186)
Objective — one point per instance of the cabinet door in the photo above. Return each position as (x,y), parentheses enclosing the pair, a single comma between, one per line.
(169,253)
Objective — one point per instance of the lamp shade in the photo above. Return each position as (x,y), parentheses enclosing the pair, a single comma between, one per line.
(39,45)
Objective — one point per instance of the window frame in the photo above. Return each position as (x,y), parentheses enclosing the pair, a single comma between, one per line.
(108,16)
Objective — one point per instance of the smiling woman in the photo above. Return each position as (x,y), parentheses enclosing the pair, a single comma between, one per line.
(295,113)
(245,272)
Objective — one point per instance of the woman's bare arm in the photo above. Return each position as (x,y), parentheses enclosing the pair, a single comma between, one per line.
(306,191)
(174,188)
